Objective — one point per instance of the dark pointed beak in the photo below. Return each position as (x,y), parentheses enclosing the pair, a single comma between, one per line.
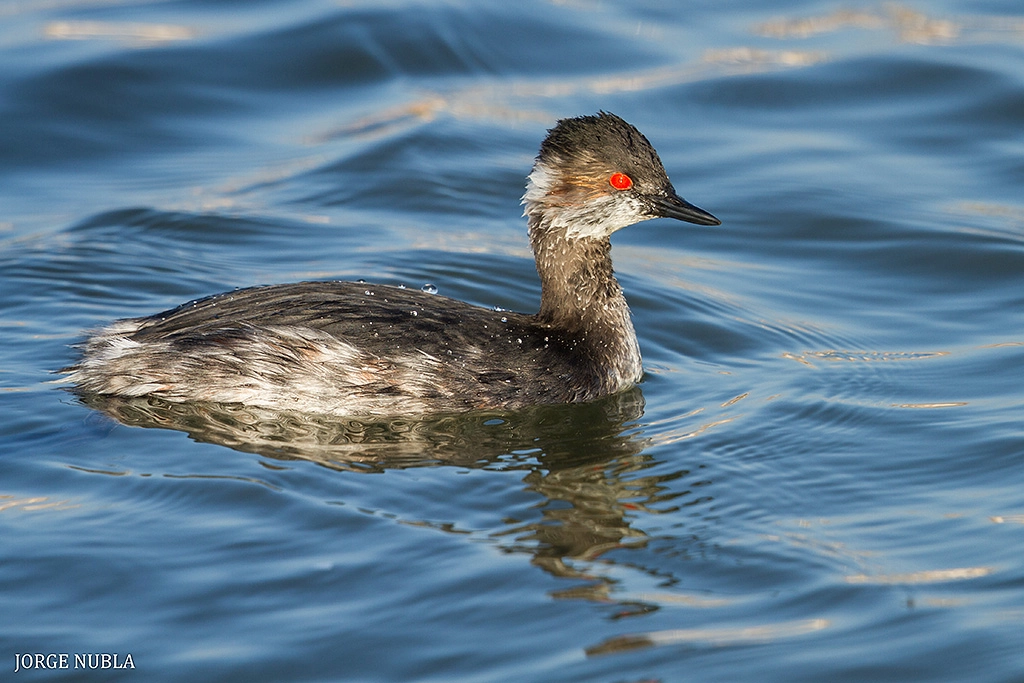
(671,205)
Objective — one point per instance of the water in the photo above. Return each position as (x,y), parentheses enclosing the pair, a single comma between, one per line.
(820,478)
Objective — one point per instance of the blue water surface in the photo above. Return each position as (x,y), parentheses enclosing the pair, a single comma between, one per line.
(821,476)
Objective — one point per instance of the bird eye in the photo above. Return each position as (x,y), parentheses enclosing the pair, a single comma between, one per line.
(620,181)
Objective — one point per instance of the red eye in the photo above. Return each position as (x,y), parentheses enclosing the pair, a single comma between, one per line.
(620,181)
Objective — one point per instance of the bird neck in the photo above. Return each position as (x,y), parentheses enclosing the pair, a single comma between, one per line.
(581,299)
(579,291)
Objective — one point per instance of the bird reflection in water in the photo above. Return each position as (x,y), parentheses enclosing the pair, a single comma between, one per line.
(584,460)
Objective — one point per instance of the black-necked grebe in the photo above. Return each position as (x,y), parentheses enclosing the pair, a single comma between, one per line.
(354,349)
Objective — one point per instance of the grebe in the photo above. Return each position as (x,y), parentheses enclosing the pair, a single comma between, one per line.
(354,349)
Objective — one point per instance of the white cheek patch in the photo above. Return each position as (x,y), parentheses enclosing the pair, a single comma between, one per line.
(598,218)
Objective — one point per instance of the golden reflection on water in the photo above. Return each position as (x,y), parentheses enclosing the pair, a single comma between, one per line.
(908,24)
(922,577)
(834,356)
(33,504)
(714,637)
(135,34)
